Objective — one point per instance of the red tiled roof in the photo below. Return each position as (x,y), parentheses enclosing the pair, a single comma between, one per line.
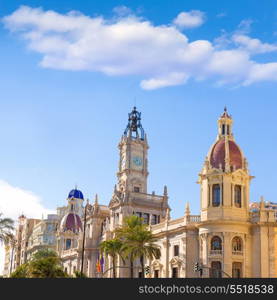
(71,222)
(218,155)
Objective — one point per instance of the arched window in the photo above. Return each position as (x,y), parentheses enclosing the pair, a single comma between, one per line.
(223,129)
(215,271)
(238,195)
(216,195)
(237,270)
(237,244)
(216,243)
(67,244)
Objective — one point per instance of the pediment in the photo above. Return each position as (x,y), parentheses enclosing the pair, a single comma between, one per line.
(175,261)
(157,264)
(114,201)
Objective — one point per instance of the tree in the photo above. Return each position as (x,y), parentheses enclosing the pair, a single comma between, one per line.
(79,274)
(124,233)
(6,229)
(113,249)
(138,241)
(21,271)
(45,263)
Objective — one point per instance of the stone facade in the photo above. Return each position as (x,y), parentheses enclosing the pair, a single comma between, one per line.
(230,238)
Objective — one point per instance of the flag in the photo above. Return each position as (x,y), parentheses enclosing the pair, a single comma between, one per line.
(98,265)
(102,263)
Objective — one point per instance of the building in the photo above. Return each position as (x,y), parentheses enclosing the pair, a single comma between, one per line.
(230,238)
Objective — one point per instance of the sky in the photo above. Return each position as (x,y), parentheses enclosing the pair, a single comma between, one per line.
(72,71)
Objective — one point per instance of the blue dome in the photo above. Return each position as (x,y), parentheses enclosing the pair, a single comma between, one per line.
(76,194)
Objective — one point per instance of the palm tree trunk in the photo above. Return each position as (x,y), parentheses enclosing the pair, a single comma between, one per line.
(142,266)
(131,266)
(114,271)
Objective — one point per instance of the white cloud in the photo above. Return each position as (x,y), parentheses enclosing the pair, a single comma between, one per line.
(15,201)
(254,46)
(221,15)
(190,19)
(161,55)
(262,72)
(122,10)
(244,26)
(170,79)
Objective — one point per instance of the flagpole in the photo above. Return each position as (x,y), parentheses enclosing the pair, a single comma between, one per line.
(84,235)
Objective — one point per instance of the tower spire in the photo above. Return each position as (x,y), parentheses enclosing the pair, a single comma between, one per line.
(134,128)
(225,123)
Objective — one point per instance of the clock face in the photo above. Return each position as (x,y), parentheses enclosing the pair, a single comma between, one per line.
(137,161)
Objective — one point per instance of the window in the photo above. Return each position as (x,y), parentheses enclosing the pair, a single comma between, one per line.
(176,250)
(156,274)
(139,274)
(116,218)
(238,195)
(223,129)
(67,244)
(228,129)
(145,217)
(136,189)
(237,270)
(216,243)
(138,214)
(215,271)
(237,244)
(154,219)
(174,272)
(216,195)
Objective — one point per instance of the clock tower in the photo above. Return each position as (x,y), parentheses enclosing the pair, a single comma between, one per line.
(133,172)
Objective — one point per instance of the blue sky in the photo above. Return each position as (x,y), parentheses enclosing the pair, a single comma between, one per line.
(64,109)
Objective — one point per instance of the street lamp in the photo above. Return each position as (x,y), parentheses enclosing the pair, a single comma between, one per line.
(84,236)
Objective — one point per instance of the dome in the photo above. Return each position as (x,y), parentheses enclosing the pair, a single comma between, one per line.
(217,156)
(76,194)
(71,221)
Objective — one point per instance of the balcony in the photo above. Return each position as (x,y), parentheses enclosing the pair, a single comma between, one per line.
(194,219)
(215,252)
(237,253)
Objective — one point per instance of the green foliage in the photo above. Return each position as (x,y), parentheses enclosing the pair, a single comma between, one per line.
(137,241)
(44,253)
(6,229)
(21,271)
(45,263)
(79,274)
(112,248)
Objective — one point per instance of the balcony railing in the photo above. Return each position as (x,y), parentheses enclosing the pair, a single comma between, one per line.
(194,219)
(215,252)
(237,252)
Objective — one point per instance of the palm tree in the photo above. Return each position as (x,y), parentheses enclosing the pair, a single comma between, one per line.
(112,248)
(138,241)
(6,229)
(142,245)
(124,233)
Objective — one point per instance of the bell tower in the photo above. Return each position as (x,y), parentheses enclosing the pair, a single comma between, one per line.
(133,147)
(225,177)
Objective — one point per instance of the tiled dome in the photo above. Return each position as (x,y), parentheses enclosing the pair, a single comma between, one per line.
(217,156)
(76,194)
(71,221)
